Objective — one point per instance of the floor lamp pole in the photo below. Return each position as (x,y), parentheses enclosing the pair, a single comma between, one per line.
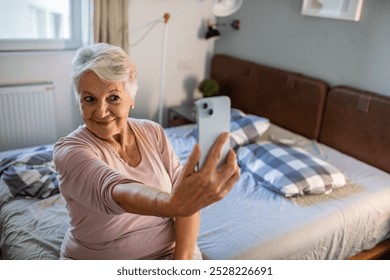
(151,24)
(163,57)
(163,64)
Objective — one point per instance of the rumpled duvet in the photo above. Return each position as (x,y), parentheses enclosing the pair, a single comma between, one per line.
(30,174)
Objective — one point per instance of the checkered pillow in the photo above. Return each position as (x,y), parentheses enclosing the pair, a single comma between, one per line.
(289,170)
(246,128)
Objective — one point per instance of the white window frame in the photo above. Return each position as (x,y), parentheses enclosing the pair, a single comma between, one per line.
(74,42)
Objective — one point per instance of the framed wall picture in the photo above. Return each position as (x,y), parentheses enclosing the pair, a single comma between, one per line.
(337,9)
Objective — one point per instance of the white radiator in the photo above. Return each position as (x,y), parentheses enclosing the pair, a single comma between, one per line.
(27,115)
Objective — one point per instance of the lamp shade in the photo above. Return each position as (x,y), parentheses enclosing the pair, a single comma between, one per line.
(223,8)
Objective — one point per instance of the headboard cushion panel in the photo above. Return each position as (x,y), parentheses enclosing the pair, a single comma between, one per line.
(288,99)
(357,123)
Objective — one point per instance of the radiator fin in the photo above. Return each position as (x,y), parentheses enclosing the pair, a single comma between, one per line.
(27,116)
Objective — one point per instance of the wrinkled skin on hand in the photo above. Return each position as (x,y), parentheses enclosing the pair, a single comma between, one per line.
(198,189)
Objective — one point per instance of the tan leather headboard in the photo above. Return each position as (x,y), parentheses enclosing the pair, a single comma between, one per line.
(357,123)
(288,99)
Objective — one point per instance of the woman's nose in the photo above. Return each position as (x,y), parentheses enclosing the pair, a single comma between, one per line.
(101,110)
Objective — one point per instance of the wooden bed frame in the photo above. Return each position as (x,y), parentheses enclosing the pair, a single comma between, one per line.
(348,119)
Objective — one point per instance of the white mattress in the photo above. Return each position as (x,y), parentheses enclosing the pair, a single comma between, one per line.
(255,223)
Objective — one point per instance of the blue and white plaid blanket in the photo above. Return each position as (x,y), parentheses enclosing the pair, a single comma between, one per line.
(30,174)
(289,170)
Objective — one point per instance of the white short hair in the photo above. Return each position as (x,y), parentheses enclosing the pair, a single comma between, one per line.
(109,63)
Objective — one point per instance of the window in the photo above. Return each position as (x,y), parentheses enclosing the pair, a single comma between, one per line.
(40,24)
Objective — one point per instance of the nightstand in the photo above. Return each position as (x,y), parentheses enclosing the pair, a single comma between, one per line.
(179,115)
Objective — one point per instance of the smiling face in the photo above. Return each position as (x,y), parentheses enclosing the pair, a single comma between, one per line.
(104,106)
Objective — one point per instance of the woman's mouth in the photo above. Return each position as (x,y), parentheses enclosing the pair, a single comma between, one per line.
(103,123)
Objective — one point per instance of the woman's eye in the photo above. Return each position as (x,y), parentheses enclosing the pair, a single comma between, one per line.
(89,99)
(114,98)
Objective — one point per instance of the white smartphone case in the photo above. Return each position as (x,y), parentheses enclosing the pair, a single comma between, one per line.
(213,118)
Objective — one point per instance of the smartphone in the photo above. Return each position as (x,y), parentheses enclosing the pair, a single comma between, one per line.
(212,118)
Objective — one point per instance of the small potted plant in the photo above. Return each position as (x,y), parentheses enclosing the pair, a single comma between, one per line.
(208,87)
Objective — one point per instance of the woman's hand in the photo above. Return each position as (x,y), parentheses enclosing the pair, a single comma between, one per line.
(193,191)
(196,190)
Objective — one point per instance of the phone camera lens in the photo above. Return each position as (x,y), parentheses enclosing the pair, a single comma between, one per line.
(211,112)
(205,105)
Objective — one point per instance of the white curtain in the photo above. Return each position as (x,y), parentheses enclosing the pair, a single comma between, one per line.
(110,21)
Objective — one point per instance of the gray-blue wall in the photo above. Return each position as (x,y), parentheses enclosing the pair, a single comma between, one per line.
(351,53)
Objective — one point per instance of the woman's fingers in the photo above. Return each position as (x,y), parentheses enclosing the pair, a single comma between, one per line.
(229,184)
(230,166)
(215,152)
(196,190)
(225,188)
(192,161)
(220,182)
(229,174)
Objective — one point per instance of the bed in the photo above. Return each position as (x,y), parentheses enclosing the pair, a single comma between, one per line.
(272,110)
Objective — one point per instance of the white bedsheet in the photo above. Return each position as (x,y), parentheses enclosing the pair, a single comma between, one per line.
(32,229)
(255,223)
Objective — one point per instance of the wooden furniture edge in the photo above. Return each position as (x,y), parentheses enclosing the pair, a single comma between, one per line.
(377,252)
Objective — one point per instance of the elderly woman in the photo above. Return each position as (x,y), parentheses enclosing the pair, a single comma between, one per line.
(126,192)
